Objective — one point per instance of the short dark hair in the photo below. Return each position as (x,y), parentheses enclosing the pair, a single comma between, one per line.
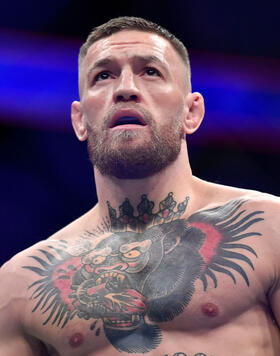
(134,23)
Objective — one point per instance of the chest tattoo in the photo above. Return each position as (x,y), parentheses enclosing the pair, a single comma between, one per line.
(138,269)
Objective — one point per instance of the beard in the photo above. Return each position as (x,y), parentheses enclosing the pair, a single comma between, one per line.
(118,154)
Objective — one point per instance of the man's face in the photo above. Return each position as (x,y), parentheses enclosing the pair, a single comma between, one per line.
(133,100)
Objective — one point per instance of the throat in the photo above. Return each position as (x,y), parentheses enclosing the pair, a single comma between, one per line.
(147,213)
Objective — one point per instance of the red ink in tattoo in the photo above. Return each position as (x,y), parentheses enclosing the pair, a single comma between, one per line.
(146,218)
(210,309)
(89,269)
(76,340)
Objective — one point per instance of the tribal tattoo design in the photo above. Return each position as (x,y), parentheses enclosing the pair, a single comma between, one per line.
(137,271)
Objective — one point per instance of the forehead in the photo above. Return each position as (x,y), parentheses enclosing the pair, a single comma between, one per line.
(131,42)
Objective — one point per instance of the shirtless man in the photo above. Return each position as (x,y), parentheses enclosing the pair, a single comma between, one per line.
(165,264)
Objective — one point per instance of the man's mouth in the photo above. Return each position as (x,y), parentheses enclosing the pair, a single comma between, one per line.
(128,120)
(126,117)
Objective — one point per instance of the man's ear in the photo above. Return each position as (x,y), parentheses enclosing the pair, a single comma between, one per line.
(193,119)
(78,121)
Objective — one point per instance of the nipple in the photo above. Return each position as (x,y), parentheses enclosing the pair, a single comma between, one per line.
(76,340)
(210,309)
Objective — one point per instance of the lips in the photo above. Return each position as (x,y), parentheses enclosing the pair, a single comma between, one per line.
(127,117)
(128,120)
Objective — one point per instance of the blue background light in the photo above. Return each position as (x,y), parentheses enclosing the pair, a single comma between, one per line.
(39,82)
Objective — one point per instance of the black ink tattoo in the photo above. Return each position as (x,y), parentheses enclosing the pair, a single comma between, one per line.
(145,217)
(121,277)
(93,325)
(97,333)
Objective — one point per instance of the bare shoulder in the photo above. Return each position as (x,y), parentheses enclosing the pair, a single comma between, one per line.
(13,301)
(13,276)
(269,203)
(216,193)
(16,275)
(252,201)
(258,200)
(75,228)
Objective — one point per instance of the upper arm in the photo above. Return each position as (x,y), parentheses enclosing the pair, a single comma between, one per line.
(274,291)
(275,304)
(274,261)
(13,341)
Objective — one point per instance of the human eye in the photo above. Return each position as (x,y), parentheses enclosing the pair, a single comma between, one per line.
(151,72)
(101,76)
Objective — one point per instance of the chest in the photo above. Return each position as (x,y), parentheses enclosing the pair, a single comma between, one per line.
(132,317)
(127,287)
(221,303)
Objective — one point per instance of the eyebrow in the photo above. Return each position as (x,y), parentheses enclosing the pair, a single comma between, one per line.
(110,60)
(99,64)
(148,59)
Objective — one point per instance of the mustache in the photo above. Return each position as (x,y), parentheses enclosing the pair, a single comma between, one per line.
(147,116)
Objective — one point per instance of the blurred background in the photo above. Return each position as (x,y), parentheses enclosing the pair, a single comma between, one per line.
(45,175)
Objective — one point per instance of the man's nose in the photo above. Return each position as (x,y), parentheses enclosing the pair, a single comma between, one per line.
(126,89)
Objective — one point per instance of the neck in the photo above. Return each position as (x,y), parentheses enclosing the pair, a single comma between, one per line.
(168,188)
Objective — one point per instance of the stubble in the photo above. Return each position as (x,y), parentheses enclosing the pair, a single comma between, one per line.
(135,154)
